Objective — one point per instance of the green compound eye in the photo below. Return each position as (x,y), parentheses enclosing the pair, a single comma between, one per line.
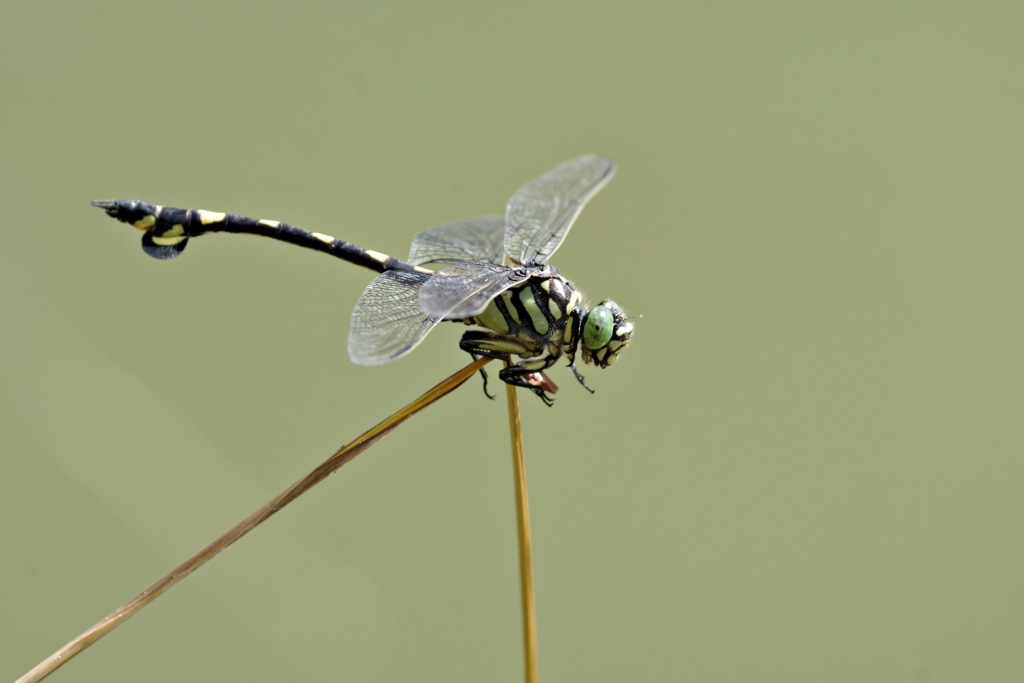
(597,331)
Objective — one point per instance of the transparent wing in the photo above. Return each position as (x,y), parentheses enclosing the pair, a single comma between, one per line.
(387,322)
(464,289)
(541,212)
(466,241)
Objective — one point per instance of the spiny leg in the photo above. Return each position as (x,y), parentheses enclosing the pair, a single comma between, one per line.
(483,373)
(492,345)
(578,376)
(528,379)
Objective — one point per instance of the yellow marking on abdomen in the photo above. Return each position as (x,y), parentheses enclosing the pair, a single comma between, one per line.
(168,240)
(176,230)
(145,223)
(209,217)
(377,256)
(271,224)
(326,239)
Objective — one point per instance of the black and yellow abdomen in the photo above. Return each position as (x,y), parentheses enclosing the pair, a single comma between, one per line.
(166,232)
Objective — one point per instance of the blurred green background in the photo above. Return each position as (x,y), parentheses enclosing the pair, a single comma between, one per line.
(807,467)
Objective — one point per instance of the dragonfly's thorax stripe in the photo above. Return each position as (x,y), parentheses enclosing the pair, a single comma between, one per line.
(536,320)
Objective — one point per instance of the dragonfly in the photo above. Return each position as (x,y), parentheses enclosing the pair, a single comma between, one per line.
(489,272)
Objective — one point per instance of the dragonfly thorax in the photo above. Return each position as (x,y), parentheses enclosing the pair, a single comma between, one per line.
(537,321)
(541,320)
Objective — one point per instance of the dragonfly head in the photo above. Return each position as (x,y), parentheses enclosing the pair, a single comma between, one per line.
(606,332)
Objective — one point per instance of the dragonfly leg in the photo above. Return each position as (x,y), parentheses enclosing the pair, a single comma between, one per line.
(483,373)
(578,376)
(493,345)
(527,378)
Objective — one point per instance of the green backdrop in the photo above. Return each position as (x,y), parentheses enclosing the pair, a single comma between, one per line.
(807,467)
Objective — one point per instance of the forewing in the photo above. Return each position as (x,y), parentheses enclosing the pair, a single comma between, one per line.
(466,241)
(464,289)
(541,212)
(387,322)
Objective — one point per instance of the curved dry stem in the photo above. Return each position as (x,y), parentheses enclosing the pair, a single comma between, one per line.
(339,458)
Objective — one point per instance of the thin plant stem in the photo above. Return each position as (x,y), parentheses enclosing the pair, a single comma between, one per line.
(339,458)
(523,533)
